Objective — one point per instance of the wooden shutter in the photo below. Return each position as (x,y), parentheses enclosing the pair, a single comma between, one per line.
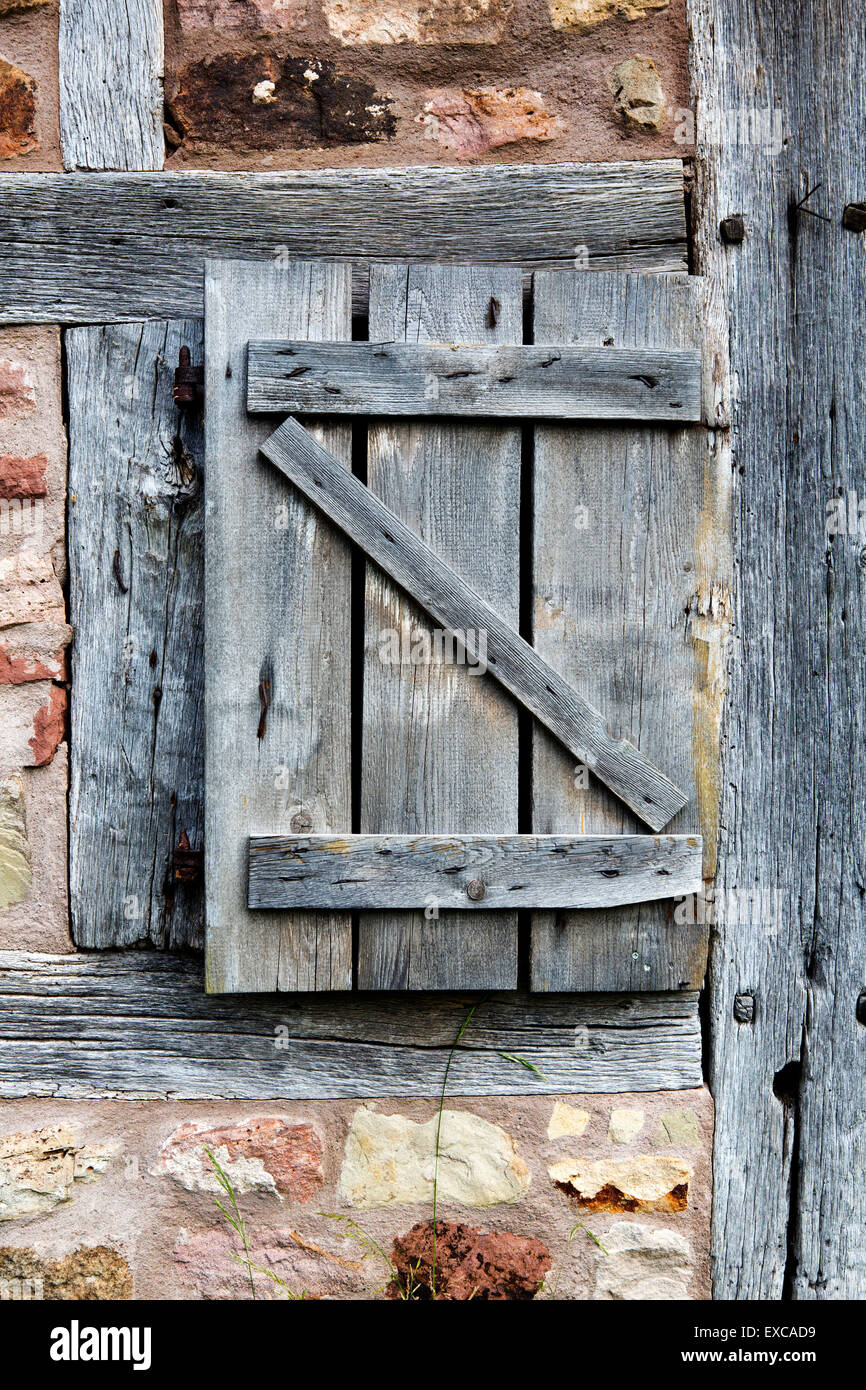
(334,777)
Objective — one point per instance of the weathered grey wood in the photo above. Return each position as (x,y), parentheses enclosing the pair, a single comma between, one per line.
(470,872)
(450,600)
(789,1205)
(480,380)
(440,743)
(631,582)
(111,70)
(96,248)
(138,1025)
(277,604)
(136,593)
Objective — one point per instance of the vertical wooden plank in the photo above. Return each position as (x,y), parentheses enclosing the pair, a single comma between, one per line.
(278,605)
(786,1046)
(440,744)
(136,581)
(111,72)
(631,588)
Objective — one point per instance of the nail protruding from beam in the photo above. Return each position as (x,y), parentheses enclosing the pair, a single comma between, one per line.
(854,217)
(732,230)
(744,1008)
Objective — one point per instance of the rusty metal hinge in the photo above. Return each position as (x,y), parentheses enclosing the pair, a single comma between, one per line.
(188,383)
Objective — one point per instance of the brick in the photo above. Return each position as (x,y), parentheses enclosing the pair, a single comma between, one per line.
(305,1268)
(253,16)
(40,922)
(624,1126)
(49,727)
(637,93)
(23,477)
(90,1273)
(642,1262)
(466,1263)
(678,1129)
(39,1170)
(417,21)
(17,395)
(579,16)
(640,1184)
(33,652)
(17,111)
(16,877)
(218,103)
(566,1121)
(472,120)
(29,589)
(389,1161)
(262,1154)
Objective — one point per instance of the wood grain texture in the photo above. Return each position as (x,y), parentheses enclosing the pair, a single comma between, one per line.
(630,586)
(139,1026)
(440,740)
(111,72)
(449,599)
(790,1145)
(136,592)
(470,873)
(477,380)
(278,602)
(98,248)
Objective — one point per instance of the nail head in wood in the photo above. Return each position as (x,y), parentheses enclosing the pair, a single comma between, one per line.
(744,1008)
(187,862)
(854,217)
(475,890)
(188,382)
(732,230)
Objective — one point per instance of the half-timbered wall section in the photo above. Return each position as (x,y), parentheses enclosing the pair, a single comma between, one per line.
(449,287)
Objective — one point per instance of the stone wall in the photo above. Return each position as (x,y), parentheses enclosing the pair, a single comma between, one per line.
(582,1197)
(314,83)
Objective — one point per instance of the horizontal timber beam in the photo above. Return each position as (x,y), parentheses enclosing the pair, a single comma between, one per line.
(103,248)
(544,383)
(417,569)
(138,1025)
(470,871)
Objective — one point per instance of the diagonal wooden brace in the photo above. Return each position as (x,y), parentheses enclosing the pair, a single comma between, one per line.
(431,583)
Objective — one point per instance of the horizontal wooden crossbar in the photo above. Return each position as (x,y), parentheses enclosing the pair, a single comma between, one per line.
(99,248)
(138,1025)
(451,602)
(545,383)
(470,871)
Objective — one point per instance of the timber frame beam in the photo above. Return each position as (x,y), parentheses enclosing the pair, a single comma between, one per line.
(88,248)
